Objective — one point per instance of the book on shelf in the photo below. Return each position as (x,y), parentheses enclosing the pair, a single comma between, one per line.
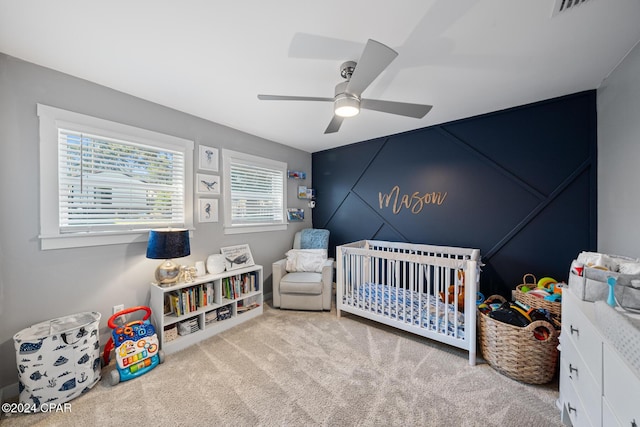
(234,286)
(210,316)
(247,304)
(187,300)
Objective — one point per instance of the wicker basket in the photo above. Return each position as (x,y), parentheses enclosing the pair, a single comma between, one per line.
(171,333)
(515,352)
(533,301)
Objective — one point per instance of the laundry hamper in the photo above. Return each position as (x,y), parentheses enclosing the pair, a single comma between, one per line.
(58,359)
(515,352)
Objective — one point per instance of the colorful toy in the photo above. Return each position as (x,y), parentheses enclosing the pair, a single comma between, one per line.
(135,344)
(451,292)
(611,297)
(546,281)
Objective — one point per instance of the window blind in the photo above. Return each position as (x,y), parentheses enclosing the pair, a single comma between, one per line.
(110,184)
(256,194)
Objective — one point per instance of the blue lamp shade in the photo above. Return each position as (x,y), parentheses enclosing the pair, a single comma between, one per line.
(167,244)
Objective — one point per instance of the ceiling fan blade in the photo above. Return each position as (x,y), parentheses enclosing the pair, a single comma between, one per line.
(375,58)
(292,98)
(334,124)
(417,111)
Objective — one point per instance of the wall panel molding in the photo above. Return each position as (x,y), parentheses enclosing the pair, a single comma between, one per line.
(528,172)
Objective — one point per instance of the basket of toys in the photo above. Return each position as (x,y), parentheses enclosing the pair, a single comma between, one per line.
(545,293)
(521,345)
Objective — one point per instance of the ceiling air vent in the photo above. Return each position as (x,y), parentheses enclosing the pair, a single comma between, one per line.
(565,5)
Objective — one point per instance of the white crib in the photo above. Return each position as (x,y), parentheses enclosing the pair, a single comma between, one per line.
(412,287)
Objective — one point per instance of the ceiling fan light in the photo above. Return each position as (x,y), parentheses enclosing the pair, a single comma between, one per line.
(346,105)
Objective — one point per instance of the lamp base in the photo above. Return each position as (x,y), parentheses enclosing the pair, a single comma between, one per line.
(167,273)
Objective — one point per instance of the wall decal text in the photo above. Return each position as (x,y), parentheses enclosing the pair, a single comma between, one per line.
(415,201)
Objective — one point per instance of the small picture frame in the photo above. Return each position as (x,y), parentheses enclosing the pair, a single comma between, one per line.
(237,256)
(296,174)
(295,214)
(208,210)
(208,184)
(208,158)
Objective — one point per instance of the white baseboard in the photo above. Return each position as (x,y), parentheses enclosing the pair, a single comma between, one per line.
(9,392)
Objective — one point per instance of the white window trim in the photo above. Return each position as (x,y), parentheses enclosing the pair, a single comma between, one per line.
(51,118)
(229,228)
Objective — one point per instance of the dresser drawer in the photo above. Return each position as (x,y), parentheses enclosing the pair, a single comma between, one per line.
(572,406)
(621,388)
(578,326)
(574,370)
(608,417)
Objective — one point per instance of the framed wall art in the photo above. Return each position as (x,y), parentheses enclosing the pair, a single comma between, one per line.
(237,256)
(208,158)
(208,184)
(208,210)
(295,214)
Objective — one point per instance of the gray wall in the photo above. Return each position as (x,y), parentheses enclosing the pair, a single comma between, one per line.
(39,285)
(618,102)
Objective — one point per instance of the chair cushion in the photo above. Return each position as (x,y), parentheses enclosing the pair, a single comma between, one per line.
(301,283)
(306,260)
(314,238)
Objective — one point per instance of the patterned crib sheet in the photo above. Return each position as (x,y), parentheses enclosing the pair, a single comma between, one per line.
(408,306)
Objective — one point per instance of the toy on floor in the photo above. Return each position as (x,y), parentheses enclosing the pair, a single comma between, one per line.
(135,344)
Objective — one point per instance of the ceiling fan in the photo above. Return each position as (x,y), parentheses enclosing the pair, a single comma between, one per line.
(348,100)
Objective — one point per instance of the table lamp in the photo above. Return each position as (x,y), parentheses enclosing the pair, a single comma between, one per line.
(167,244)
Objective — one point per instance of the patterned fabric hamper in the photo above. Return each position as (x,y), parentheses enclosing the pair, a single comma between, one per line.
(58,359)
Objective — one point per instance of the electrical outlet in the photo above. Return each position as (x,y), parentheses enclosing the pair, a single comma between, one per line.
(117,308)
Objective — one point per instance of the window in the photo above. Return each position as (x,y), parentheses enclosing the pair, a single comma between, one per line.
(104,183)
(254,193)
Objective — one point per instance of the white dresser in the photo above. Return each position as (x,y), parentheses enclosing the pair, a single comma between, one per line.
(597,387)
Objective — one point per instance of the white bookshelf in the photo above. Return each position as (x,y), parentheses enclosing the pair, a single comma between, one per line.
(215,283)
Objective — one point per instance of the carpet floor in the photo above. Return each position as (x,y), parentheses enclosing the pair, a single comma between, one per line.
(293,368)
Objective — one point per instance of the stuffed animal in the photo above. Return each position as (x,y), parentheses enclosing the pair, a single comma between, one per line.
(452,289)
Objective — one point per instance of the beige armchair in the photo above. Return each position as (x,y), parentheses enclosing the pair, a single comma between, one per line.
(304,290)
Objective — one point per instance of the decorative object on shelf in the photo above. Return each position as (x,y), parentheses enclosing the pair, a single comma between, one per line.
(295,214)
(208,210)
(215,264)
(187,274)
(208,159)
(208,184)
(306,193)
(296,175)
(200,269)
(237,256)
(167,244)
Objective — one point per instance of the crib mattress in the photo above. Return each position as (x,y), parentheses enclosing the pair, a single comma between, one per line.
(408,306)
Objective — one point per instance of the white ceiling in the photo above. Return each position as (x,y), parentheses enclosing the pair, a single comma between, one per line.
(211,58)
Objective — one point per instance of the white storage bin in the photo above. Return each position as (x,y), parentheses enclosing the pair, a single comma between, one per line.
(58,359)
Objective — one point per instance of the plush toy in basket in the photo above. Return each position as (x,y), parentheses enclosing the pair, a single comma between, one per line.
(517,344)
(545,293)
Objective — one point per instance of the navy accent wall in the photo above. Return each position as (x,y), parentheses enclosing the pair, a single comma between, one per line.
(518,184)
